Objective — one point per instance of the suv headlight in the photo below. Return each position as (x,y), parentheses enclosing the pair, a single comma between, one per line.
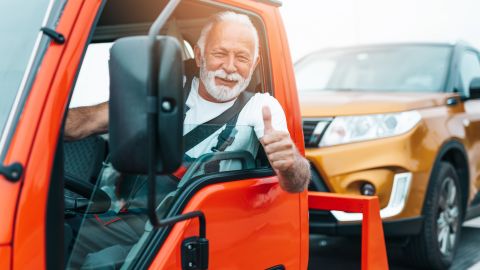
(347,129)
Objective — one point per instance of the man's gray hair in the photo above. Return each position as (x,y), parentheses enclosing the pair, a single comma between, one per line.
(228,16)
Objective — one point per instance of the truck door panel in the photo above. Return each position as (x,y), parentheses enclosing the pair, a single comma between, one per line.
(255,217)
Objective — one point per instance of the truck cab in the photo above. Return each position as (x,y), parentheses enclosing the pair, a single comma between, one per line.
(51,190)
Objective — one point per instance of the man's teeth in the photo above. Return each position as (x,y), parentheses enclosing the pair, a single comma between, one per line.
(225,79)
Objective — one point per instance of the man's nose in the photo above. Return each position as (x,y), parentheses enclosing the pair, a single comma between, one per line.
(229,64)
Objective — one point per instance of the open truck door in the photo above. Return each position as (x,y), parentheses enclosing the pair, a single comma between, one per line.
(109,200)
(247,219)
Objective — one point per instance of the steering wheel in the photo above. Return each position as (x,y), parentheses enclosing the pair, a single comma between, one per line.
(99,201)
(246,159)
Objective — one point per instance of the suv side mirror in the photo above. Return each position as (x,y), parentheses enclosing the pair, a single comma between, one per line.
(129,105)
(475,88)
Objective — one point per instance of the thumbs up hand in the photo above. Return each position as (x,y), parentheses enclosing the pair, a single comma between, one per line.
(292,169)
(278,145)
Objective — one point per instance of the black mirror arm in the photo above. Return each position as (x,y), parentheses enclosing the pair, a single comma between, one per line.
(186,216)
(152,103)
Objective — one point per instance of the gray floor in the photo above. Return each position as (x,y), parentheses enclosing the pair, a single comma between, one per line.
(344,253)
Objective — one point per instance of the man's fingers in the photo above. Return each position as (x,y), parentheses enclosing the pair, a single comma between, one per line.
(267,119)
(274,136)
(281,145)
(281,155)
(282,165)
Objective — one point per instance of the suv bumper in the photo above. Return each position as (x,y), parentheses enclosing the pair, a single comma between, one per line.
(323,222)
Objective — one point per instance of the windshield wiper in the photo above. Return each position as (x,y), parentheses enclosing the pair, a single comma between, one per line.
(12,172)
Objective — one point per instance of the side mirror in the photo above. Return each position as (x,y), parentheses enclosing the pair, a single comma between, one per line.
(475,88)
(129,105)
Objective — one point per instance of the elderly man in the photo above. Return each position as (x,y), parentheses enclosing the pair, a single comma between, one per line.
(227,53)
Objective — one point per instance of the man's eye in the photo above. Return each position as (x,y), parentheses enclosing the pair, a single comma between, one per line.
(244,59)
(219,54)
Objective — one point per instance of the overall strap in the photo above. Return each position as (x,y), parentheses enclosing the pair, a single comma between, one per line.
(205,130)
(186,90)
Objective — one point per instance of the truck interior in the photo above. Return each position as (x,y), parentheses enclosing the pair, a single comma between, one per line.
(111,206)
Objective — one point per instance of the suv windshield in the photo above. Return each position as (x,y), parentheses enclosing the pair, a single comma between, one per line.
(20,25)
(420,68)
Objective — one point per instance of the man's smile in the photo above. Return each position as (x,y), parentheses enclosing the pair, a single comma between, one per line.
(226,82)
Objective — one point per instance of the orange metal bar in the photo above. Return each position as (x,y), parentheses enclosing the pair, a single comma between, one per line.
(374,253)
(5,256)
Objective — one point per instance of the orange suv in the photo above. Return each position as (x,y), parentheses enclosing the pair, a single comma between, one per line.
(400,121)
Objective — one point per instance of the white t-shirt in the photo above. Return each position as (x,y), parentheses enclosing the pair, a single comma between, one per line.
(250,121)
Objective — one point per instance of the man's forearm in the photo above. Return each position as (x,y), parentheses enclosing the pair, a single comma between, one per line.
(85,121)
(297,177)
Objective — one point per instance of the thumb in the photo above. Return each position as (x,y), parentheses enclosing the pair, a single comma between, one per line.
(267,119)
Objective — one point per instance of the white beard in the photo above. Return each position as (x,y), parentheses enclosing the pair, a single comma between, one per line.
(222,92)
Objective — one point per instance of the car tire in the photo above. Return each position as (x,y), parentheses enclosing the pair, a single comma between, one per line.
(435,246)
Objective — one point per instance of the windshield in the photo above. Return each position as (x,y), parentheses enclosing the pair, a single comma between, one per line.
(20,25)
(419,68)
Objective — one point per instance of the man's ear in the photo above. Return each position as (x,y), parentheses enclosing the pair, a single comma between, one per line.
(256,62)
(198,55)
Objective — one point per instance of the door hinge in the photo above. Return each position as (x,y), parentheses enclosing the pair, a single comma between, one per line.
(12,172)
(195,253)
(59,38)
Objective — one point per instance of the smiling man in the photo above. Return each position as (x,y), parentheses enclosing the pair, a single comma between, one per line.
(226,53)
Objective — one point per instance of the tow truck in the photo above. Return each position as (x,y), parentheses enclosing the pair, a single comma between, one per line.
(49,188)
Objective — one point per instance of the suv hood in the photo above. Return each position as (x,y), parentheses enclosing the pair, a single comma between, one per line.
(333,103)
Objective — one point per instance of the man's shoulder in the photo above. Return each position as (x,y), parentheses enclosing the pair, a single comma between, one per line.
(262,99)
(259,100)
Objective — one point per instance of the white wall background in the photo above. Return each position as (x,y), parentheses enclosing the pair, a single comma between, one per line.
(316,24)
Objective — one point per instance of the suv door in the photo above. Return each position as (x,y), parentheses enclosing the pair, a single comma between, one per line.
(469,69)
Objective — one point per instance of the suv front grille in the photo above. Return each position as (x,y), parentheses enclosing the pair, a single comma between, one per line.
(309,125)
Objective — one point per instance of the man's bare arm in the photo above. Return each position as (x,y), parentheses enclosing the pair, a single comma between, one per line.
(293,169)
(84,121)
(297,177)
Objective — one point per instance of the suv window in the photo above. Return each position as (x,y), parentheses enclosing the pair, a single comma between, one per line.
(469,69)
(415,68)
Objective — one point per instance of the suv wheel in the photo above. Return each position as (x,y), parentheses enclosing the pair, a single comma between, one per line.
(435,246)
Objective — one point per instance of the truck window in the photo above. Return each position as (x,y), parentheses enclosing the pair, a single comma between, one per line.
(17,53)
(92,85)
(106,217)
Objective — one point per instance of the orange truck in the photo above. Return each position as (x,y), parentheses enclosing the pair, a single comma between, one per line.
(51,190)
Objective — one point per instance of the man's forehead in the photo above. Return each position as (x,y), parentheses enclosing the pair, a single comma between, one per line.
(230,34)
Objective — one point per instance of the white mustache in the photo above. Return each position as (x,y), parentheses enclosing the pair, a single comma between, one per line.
(220,73)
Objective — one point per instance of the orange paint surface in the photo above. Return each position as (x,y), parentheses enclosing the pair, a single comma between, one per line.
(39,128)
(5,257)
(251,224)
(374,253)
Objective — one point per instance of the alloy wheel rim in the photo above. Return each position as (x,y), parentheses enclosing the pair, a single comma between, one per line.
(448,217)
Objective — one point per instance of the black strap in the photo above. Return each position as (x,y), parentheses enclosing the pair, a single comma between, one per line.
(186,90)
(191,71)
(230,116)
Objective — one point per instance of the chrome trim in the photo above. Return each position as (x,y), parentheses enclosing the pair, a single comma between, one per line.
(398,197)
(26,75)
(317,119)
(313,138)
